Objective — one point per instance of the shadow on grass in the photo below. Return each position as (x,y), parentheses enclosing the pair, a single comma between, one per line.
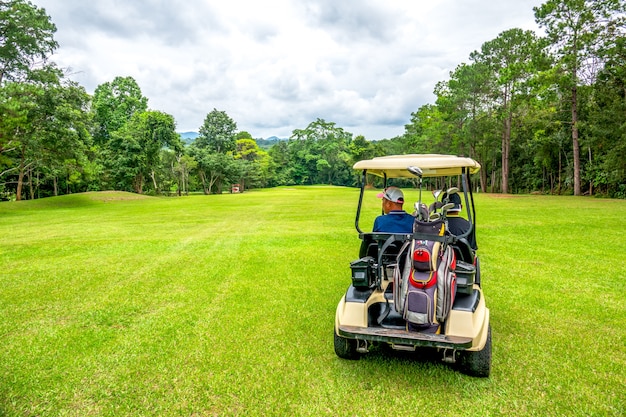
(423,366)
(421,356)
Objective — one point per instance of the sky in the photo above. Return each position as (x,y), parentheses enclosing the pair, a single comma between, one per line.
(277,65)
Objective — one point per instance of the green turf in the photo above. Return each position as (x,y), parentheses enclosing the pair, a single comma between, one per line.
(117,305)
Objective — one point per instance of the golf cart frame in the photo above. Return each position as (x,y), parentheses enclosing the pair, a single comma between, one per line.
(366,315)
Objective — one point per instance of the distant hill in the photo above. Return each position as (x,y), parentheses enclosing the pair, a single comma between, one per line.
(265,144)
(188,137)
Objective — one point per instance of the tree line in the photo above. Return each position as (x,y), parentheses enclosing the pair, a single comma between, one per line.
(540,113)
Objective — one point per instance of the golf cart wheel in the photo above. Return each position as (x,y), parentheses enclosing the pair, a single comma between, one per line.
(477,363)
(345,348)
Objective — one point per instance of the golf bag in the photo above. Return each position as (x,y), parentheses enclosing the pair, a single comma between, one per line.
(424,280)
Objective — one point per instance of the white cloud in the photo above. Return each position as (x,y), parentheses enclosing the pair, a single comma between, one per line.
(275,66)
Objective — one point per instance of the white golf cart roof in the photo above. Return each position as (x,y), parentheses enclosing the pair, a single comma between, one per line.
(432,165)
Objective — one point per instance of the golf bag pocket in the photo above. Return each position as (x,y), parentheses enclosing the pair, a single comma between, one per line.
(422,255)
(420,305)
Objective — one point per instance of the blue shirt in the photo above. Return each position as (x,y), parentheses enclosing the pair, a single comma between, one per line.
(396,221)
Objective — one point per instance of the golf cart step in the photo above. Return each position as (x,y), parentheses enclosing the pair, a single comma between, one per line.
(405,337)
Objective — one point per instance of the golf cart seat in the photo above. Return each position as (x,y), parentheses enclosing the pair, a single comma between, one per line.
(463,251)
(371,242)
(378,250)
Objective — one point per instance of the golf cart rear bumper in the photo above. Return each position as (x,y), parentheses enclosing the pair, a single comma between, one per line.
(405,337)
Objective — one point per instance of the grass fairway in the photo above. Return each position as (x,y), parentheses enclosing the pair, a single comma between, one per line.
(118,305)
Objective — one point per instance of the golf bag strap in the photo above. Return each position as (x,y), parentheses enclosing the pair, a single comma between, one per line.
(391,239)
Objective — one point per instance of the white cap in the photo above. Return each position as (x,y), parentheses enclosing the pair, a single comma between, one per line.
(393,194)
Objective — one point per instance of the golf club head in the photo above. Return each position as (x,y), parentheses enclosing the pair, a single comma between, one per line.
(452,190)
(415,171)
(436,194)
(447,207)
(421,211)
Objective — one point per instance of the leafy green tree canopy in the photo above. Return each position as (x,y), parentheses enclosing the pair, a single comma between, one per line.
(323,150)
(114,103)
(217,133)
(136,147)
(26,38)
(577,30)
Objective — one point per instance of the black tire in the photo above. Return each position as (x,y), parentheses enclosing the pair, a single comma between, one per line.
(477,363)
(345,348)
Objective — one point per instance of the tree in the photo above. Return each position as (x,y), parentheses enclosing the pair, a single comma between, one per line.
(114,103)
(19,143)
(462,121)
(512,59)
(607,109)
(182,167)
(212,168)
(213,149)
(217,133)
(47,125)
(243,135)
(135,148)
(323,149)
(15,101)
(64,132)
(360,148)
(281,164)
(248,149)
(575,29)
(253,163)
(26,39)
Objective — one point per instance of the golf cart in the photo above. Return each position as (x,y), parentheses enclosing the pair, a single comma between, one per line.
(419,289)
